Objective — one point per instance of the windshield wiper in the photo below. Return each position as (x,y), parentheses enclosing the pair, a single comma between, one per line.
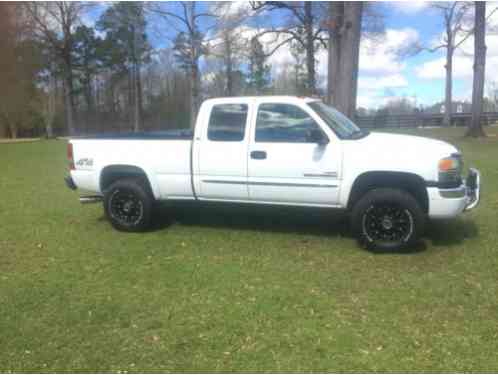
(359,133)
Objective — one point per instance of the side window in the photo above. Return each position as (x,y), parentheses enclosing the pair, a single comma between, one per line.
(283,123)
(227,122)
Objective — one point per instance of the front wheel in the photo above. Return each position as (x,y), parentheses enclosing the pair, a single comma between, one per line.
(387,219)
(128,205)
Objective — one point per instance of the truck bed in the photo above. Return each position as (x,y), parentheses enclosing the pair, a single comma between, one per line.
(164,157)
(179,134)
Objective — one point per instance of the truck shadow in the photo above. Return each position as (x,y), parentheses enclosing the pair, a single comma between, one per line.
(249,217)
(446,233)
(303,221)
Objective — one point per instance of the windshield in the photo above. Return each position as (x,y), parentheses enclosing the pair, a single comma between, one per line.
(340,124)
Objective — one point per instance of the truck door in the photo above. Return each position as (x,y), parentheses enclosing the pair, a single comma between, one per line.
(221,151)
(286,162)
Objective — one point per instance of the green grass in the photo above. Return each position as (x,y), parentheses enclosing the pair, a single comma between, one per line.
(237,290)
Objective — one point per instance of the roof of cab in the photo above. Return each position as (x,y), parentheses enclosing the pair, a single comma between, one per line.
(263,98)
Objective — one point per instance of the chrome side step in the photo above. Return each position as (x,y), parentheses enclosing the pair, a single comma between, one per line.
(91,199)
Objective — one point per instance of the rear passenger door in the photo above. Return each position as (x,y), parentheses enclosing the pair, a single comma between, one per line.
(222,153)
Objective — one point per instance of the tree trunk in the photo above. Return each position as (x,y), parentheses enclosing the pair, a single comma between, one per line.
(310,48)
(89,97)
(137,86)
(195,81)
(344,56)
(449,82)
(356,40)
(475,129)
(350,57)
(228,64)
(140,95)
(195,93)
(137,99)
(51,107)
(68,98)
(3,131)
(131,98)
(13,131)
(336,10)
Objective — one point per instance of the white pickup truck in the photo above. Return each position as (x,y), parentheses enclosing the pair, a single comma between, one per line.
(278,150)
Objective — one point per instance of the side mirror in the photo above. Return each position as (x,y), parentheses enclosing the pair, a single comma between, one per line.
(318,137)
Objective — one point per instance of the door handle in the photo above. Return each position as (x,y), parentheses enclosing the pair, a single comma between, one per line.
(258,155)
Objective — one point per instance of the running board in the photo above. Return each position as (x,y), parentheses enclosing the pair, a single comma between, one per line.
(91,199)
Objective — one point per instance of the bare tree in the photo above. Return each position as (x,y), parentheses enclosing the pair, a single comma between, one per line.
(475,129)
(229,42)
(54,23)
(344,50)
(304,27)
(49,110)
(454,19)
(189,44)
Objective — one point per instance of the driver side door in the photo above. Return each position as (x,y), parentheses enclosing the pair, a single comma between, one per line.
(285,165)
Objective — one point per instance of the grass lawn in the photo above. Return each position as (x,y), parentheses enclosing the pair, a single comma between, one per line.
(237,290)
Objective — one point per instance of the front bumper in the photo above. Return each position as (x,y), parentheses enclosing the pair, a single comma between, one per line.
(473,186)
(449,203)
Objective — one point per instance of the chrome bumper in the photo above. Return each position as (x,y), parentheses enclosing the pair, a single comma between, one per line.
(473,189)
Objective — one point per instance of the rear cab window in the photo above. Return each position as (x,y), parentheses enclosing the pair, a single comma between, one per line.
(227,122)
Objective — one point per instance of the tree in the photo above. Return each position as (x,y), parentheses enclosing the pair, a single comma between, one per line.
(475,129)
(86,61)
(124,25)
(21,63)
(259,71)
(187,53)
(189,45)
(54,24)
(344,50)
(304,27)
(300,76)
(454,17)
(229,42)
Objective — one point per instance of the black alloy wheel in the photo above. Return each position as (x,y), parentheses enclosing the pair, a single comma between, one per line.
(387,219)
(125,207)
(128,204)
(387,223)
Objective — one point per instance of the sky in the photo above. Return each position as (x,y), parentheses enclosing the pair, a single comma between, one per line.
(421,78)
(383,74)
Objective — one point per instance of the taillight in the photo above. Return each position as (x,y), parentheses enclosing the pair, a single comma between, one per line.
(70,157)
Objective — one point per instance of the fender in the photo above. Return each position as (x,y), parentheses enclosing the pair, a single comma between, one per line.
(112,172)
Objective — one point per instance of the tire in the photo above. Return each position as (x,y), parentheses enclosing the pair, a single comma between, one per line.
(387,220)
(128,204)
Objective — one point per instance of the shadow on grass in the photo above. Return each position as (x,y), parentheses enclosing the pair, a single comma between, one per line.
(282,219)
(305,221)
(446,233)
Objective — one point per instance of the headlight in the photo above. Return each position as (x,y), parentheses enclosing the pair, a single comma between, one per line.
(450,171)
(449,164)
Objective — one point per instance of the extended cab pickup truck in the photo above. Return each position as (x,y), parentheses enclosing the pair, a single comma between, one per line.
(278,151)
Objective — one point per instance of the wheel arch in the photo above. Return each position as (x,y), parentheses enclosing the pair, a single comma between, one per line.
(409,182)
(111,173)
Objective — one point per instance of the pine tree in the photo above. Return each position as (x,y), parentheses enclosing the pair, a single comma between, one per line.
(127,48)
(259,71)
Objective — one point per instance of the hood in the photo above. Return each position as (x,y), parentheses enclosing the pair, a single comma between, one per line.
(408,144)
(396,152)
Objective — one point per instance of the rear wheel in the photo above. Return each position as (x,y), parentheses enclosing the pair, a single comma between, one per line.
(128,205)
(387,219)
